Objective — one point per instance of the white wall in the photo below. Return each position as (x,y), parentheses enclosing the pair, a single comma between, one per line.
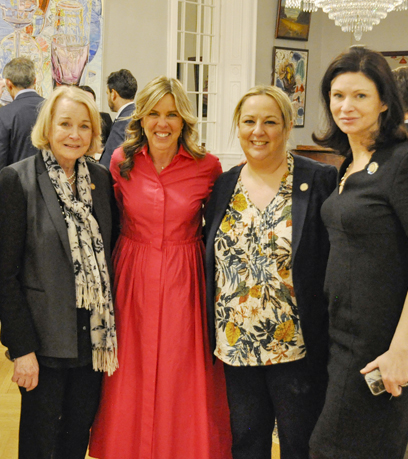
(326,41)
(135,38)
(135,33)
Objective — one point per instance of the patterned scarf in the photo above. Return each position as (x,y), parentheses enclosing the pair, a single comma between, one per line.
(92,285)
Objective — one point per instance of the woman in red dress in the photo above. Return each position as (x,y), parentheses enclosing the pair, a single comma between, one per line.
(166,400)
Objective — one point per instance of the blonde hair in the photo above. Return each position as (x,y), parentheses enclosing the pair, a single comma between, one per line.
(42,128)
(146,100)
(283,101)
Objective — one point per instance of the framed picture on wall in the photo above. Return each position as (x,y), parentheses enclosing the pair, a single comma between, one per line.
(396,58)
(289,72)
(292,23)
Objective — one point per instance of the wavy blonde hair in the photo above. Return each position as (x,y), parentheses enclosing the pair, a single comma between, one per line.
(146,100)
(42,128)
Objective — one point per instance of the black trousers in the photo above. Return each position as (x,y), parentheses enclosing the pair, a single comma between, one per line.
(257,396)
(56,416)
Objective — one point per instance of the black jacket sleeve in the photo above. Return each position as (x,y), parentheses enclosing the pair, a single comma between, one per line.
(17,329)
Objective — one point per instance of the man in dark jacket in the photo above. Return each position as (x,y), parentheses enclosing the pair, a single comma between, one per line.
(121,91)
(18,117)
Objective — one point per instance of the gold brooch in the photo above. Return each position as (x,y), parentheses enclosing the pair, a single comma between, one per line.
(304,187)
(372,168)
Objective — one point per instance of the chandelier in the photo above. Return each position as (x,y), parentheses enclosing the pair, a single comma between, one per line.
(356,16)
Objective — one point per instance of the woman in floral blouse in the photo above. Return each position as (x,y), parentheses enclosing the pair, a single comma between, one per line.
(266,257)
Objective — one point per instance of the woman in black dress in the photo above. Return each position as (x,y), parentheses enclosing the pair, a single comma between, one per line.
(367,273)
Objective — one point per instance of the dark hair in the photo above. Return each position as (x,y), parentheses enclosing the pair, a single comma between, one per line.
(123,82)
(401,78)
(88,89)
(20,71)
(374,66)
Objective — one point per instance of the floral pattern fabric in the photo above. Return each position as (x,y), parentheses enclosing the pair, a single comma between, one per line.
(257,321)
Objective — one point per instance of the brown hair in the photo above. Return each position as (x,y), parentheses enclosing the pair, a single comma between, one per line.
(373,66)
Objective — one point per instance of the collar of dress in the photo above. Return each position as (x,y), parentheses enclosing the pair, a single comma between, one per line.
(181,152)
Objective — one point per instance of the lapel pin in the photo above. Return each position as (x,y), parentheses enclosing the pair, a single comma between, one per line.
(93,186)
(372,168)
(304,187)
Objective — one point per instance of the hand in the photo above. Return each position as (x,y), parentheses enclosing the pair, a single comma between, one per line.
(26,371)
(393,366)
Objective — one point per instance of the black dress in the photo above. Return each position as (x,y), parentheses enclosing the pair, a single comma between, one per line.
(366,284)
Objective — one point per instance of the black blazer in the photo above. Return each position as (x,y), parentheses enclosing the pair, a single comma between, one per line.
(106,125)
(117,135)
(16,122)
(37,285)
(313,182)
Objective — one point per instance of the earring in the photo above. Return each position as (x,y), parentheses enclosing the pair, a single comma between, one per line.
(143,132)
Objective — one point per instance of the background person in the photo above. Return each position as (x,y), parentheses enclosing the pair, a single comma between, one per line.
(401,78)
(18,118)
(164,402)
(106,120)
(121,91)
(266,252)
(56,307)
(367,271)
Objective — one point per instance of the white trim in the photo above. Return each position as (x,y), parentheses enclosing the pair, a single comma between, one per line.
(236,71)
(233,55)
(172,38)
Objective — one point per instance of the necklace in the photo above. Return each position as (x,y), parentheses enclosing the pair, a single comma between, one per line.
(343,179)
(72,178)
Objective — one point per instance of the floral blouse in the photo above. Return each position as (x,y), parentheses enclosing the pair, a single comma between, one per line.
(257,320)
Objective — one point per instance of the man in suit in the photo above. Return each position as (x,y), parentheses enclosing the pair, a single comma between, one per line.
(18,117)
(106,120)
(121,90)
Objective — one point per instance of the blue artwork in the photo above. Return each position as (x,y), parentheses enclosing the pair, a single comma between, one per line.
(289,72)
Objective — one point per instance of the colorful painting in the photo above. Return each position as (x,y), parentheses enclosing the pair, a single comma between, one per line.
(62,37)
(396,58)
(289,72)
(292,23)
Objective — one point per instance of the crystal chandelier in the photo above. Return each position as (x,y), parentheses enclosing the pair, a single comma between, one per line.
(356,16)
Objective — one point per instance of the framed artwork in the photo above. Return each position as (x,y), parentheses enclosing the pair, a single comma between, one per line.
(292,23)
(396,58)
(289,72)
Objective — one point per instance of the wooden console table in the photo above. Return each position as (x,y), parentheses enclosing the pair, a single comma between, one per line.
(324,155)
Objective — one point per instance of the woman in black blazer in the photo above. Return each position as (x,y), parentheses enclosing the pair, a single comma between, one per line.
(266,257)
(56,306)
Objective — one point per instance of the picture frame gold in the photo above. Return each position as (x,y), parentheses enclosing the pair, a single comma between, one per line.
(292,23)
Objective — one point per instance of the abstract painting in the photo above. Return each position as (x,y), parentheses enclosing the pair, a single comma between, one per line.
(62,37)
(289,72)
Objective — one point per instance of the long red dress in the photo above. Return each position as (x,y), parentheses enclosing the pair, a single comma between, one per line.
(166,400)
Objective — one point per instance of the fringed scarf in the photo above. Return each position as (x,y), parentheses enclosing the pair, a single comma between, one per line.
(92,284)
